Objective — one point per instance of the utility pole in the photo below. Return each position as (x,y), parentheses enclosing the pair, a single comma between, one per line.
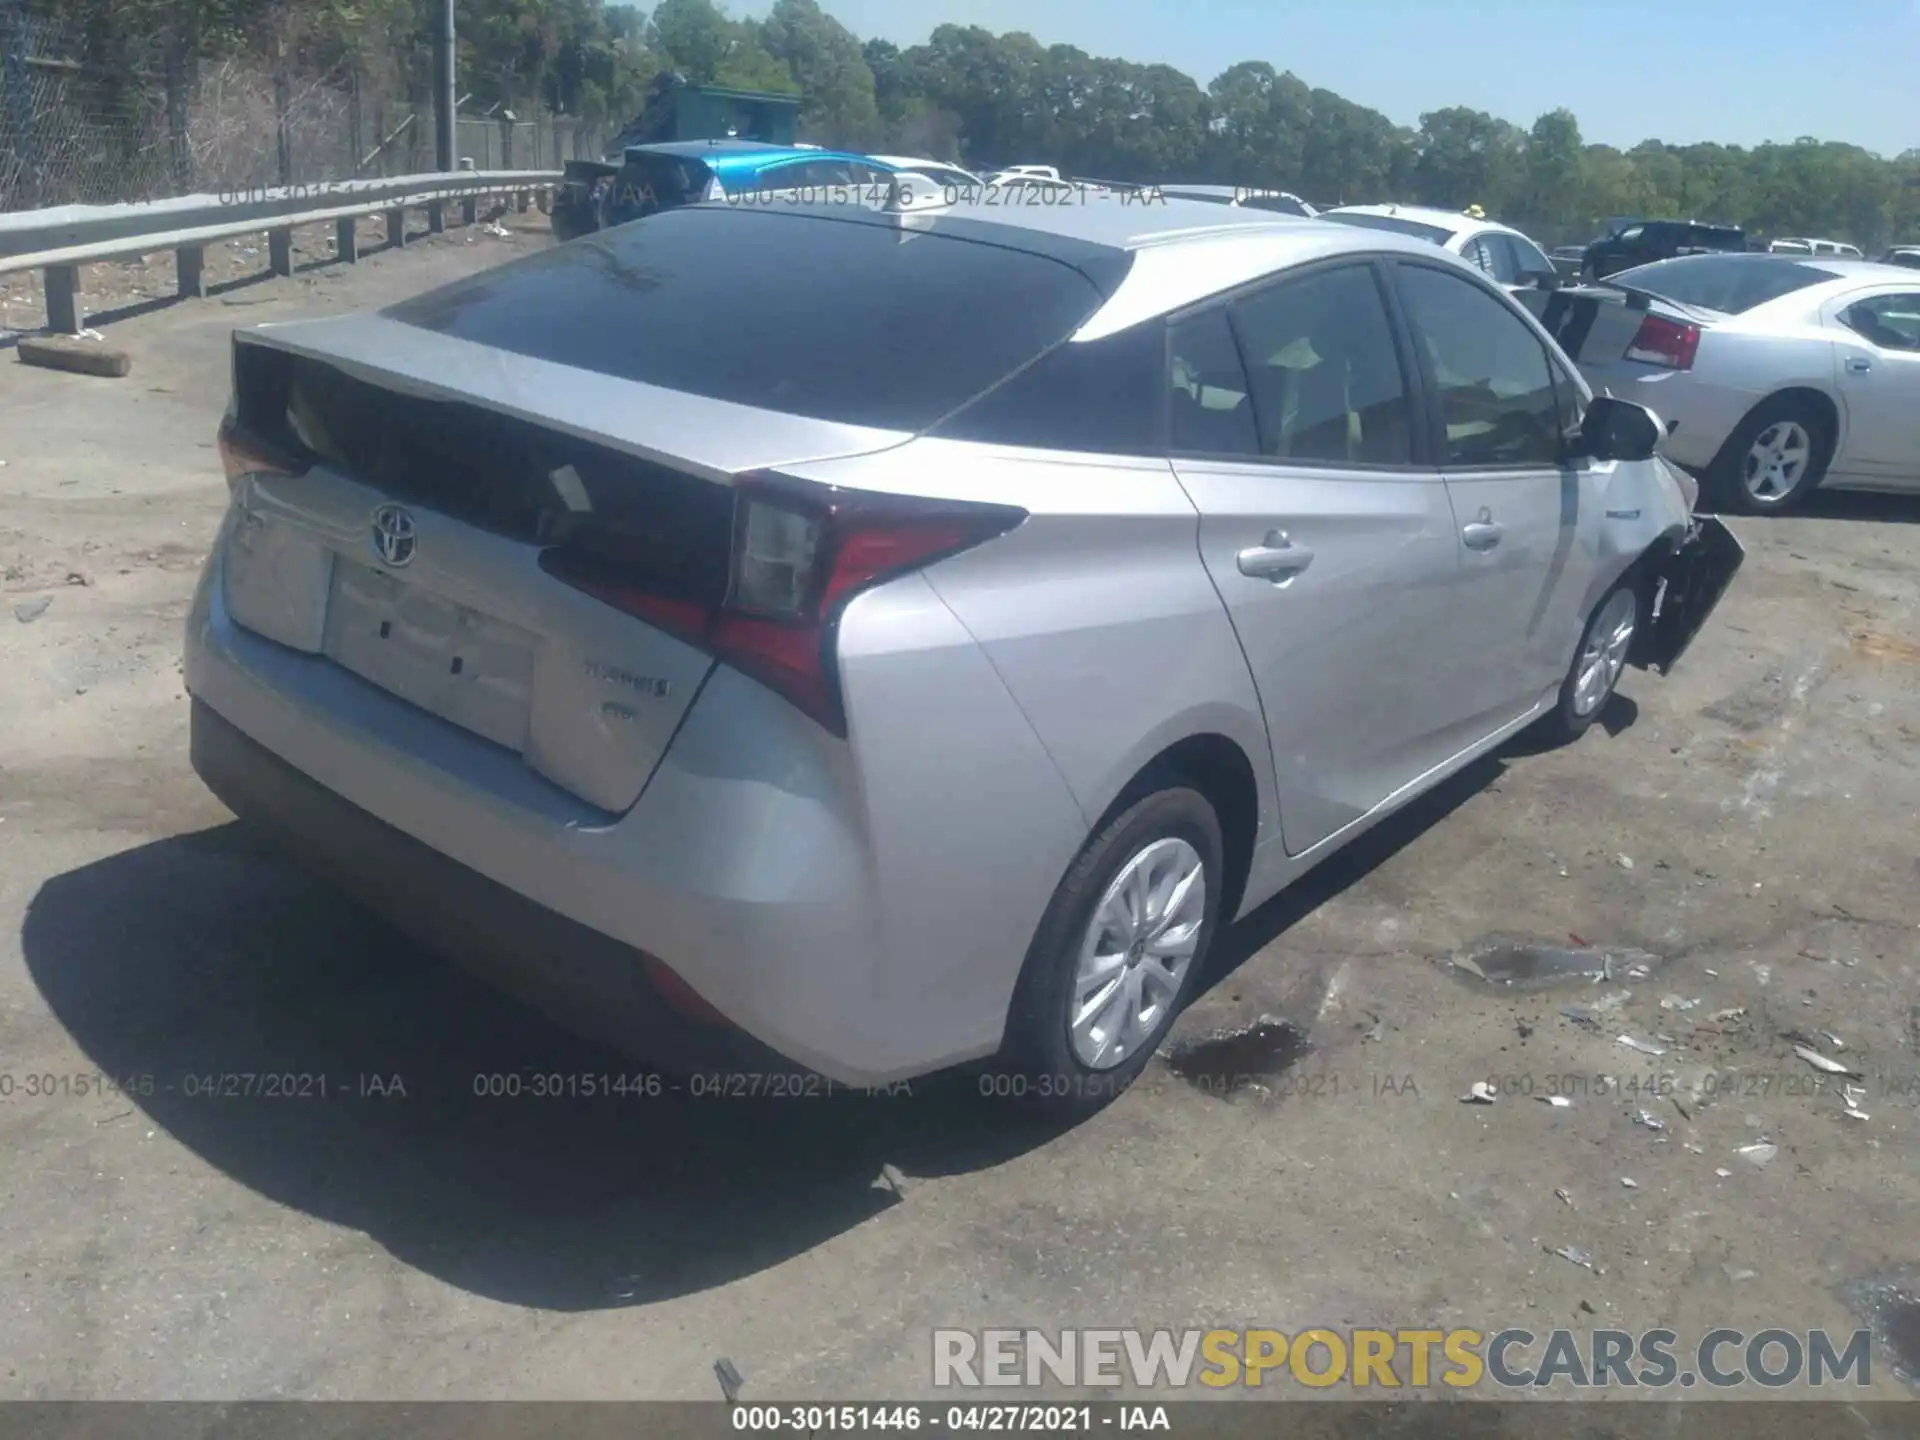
(445,104)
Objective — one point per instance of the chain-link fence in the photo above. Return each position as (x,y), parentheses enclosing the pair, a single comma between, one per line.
(84,121)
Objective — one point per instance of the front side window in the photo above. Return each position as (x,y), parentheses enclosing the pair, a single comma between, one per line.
(1497,397)
(1890,321)
(1211,409)
(1324,370)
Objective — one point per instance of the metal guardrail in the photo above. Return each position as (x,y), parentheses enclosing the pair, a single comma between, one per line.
(61,240)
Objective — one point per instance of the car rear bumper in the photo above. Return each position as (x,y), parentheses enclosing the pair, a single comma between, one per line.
(586,980)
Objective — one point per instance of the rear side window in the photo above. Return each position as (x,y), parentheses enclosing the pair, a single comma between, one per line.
(1324,369)
(1100,396)
(1890,321)
(806,313)
(1719,237)
(1731,284)
(1212,407)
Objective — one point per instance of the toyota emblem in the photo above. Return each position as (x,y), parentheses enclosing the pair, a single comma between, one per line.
(393,535)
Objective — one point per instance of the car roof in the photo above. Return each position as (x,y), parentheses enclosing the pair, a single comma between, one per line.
(1168,253)
(1454,222)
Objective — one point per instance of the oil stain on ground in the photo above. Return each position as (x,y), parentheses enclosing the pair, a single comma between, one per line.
(1236,1060)
(1890,1304)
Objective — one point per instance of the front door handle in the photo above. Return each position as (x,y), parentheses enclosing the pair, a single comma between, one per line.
(1859,365)
(1481,535)
(1278,559)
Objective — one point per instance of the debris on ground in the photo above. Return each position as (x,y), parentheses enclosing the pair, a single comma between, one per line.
(1563,1196)
(1675,1002)
(1629,1182)
(1649,1120)
(1559,1102)
(1723,1172)
(74,355)
(1479,1093)
(1578,1256)
(1736,1274)
(1853,1095)
(1824,1063)
(1642,1046)
(1625,861)
(890,1178)
(31,611)
(1833,1041)
(730,1378)
(1758,1155)
(1509,964)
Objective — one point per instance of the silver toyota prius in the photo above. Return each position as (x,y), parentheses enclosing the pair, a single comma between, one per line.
(843,641)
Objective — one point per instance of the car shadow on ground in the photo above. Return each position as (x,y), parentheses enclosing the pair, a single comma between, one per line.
(1341,870)
(205,957)
(204,971)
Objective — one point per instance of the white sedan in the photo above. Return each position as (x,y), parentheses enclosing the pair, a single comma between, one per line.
(1500,250)
(1775,374)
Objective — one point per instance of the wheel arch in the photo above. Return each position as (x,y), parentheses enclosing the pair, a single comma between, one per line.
(1219,768)
(1819,401)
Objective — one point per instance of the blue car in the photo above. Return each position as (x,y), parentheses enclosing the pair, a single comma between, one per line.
(682,172)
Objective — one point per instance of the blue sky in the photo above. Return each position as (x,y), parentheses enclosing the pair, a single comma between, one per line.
(1738,71)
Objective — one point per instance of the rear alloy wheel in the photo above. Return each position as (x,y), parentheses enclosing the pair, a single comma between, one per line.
(1776,456)
(1135,953)
(1598,664)
(1116,955)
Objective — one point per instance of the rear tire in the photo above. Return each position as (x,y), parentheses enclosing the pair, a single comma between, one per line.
(1774,459)
(1597,665)
(1098,959)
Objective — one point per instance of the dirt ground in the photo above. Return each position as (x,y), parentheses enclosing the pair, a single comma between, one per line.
(1749,823)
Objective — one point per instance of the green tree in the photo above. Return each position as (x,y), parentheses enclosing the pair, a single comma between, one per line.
(829,69)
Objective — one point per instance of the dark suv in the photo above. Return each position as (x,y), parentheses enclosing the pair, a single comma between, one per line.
(1641,242)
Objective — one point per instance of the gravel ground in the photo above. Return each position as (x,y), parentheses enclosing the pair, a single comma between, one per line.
(1302,1157)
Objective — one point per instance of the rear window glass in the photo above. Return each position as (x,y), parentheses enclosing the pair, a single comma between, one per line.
(1727,283)
(801,312)
(1394,223)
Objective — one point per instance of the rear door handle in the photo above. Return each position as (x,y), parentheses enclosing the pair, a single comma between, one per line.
(1481,535)
(1278,560)
(1859,365)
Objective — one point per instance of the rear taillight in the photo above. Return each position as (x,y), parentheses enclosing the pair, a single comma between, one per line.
(801,553)
(1670,343)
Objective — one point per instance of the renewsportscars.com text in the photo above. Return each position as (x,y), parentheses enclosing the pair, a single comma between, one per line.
(1508,1359)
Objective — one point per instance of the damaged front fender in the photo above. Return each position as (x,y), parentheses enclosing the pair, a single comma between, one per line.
(1685,584)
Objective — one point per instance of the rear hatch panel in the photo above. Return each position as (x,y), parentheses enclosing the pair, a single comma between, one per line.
(466,625)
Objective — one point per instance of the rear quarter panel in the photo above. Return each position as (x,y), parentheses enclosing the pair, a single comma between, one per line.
(1096,613)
